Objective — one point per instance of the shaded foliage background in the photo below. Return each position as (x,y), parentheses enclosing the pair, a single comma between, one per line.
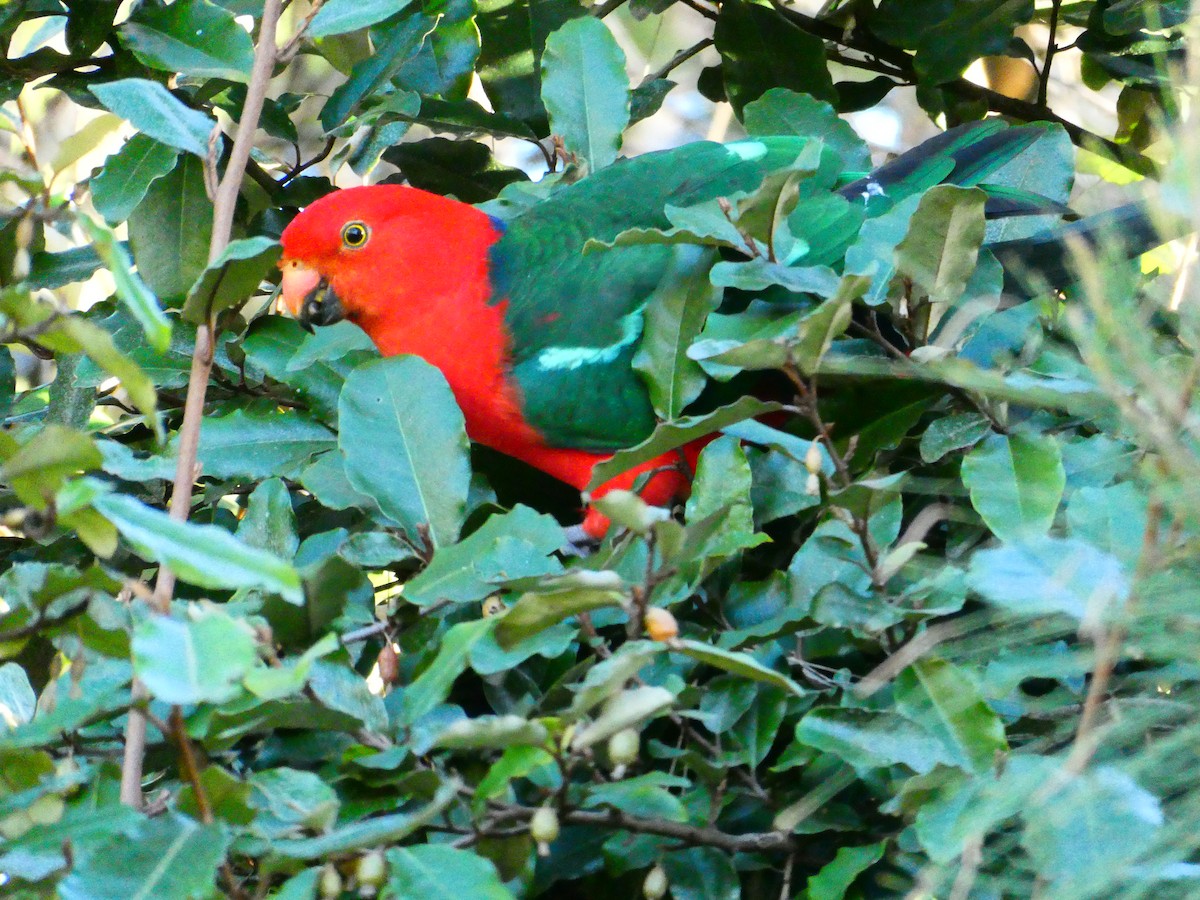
(937,623)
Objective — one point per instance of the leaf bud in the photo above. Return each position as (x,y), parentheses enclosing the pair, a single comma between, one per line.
(812,459)
(660,624)
(330,884)
(371,872)
(812,485)
(623,748)
(543,828)
(655,885)
(389,664)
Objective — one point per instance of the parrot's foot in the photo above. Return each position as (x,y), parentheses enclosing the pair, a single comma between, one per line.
(578,541)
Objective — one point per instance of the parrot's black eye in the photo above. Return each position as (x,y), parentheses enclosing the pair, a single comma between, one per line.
(355,235)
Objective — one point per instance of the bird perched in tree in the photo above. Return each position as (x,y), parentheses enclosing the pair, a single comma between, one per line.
(537,337)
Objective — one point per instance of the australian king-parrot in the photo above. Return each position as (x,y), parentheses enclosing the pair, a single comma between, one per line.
(536,336)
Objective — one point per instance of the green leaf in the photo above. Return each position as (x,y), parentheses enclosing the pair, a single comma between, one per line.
(870,740)
(315,365)
(609,676)
(464,169)
(965,808)
(952,433)
(669,435)
(1091,829)
(98,345)
(513,36)
(204,555)
(721,487)
(516,762)
(943,700)
(985,28)
(440,872)
(624,710)
(168,856)
(17,699)
(37,469)
(560,598)
(341,16)
(1016,482)
(130,289)
(818,328)
(289,802)
(169,231)
(433,685)
(269,522)
(370,832)
(673,316)
(258,445)
(128,174)
(193,37)
(402,437)
(586,90)
(491,732)
(515,545)
(232,278)
(942,244)
(394,44)
(644,795)
(340,688)
(835,877)
(761,50)
(1112,519)
(737,663)
(702,873)
(759,274)
(152,109)
(1044,575)
(202,660)
(783,111)
(1071,395)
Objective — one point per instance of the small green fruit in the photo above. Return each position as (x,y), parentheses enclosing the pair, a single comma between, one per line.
(655,885)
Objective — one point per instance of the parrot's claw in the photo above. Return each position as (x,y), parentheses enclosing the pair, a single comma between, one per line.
(577,541)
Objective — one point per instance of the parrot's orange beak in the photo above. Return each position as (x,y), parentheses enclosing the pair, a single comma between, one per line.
(299,280)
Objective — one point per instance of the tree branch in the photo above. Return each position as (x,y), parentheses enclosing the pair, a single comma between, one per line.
(968,90)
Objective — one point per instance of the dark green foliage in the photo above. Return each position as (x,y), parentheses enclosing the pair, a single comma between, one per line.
(932,602)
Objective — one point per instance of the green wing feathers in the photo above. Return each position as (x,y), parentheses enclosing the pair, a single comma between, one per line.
(575,317)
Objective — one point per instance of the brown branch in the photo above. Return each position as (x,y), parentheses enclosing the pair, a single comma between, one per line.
(678,59)
(870,46)
(692,835)
(1108,651)
(202,359)
(1051,49)
(603,9)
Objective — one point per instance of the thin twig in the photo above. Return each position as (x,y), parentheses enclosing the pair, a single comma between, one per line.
(202,358)
(704,9)
(1051,49)
(292,46)
(301,166)
(972,857)
(367,631)
(1108,652)
(678,59)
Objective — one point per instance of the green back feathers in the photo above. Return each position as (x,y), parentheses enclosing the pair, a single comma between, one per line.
(575,317)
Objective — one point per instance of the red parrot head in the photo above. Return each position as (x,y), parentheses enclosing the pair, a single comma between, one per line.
(364,253)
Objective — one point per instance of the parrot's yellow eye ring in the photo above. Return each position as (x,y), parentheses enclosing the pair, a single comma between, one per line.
(355,235)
